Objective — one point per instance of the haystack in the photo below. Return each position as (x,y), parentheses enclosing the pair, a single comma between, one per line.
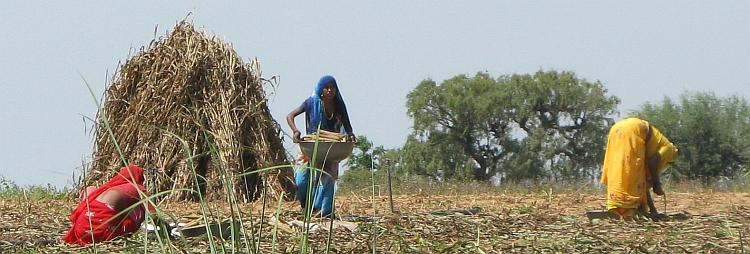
(195,116)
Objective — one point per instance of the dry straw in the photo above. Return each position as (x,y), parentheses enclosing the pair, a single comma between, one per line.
(189,86)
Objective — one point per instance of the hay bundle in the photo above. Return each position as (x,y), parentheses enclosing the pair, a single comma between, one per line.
(189,107)
(324,135)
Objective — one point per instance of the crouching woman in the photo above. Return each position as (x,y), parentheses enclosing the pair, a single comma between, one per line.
(110,210)
(636,155)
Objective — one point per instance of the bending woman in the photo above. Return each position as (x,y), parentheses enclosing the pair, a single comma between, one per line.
(324,109)
(107,212)
(636,154)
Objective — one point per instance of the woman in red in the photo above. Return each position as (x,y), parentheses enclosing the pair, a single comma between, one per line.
(107,211)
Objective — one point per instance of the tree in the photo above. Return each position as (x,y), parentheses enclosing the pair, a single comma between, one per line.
(456,121)
(515,127)
(564,120)
(434,158)
(711,133)
(365,159)
(364,155)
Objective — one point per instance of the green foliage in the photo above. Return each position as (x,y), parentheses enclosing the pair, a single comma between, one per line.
(365,155)
(455,125)
(10,190)
(711,133)
(357,179)
(516,127)
(425,158)
(368,164)
(564,119)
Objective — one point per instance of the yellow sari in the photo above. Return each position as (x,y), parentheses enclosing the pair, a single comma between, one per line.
(624,170)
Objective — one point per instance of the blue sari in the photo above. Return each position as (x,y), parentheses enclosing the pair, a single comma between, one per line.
(323,183)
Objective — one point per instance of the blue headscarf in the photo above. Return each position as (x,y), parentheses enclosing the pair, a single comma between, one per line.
(317,102)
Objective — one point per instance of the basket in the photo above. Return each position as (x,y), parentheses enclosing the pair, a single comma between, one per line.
(329,152)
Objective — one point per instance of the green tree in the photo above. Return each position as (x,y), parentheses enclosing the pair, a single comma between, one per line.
(364,155)
(365,158)
(563,119)
(434,158)
(516,126)
(711,133)
(455,123)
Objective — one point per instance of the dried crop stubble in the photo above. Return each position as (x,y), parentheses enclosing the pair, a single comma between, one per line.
(501,227)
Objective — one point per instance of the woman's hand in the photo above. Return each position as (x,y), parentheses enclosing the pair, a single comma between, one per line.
(290,120)
(657,189)
(296,136)
(353,138)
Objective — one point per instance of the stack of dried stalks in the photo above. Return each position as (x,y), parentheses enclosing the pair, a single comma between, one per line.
(323,135)
(189,107)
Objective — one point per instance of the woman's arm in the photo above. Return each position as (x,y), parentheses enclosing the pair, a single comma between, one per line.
(113,198)
(653,170)
(296,135)
(346,123)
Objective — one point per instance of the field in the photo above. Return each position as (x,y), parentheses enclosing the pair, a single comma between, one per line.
(540,221)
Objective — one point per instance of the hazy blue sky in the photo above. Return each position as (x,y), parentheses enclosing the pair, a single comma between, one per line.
(377,50)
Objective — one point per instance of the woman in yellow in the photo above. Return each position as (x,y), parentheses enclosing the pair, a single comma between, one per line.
(636,155)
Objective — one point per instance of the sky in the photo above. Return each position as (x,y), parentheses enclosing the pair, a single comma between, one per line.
(52,52)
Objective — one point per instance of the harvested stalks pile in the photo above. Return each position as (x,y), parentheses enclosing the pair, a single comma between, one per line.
(325,136)
(189,107)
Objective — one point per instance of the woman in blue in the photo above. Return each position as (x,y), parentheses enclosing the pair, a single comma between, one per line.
(325,108)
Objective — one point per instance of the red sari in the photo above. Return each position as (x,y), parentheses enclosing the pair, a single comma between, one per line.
(94,221)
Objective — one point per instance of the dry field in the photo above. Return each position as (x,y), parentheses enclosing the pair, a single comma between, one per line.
(515,223)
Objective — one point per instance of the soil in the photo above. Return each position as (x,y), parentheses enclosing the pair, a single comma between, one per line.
(536,222)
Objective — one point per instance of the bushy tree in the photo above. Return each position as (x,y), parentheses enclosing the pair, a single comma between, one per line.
(516,126)
(564,119)
(711,133)
(365,155)
(365,159)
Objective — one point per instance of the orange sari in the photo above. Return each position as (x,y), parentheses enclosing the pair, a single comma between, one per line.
(624,170)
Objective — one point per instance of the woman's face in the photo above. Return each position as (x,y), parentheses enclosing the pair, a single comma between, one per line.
(329,91)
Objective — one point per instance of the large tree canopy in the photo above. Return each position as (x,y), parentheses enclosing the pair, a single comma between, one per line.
(711,133)
(513,127)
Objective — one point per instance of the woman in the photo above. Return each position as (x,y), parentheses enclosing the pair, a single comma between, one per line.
(107,212)
(325,110)
(636,155)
